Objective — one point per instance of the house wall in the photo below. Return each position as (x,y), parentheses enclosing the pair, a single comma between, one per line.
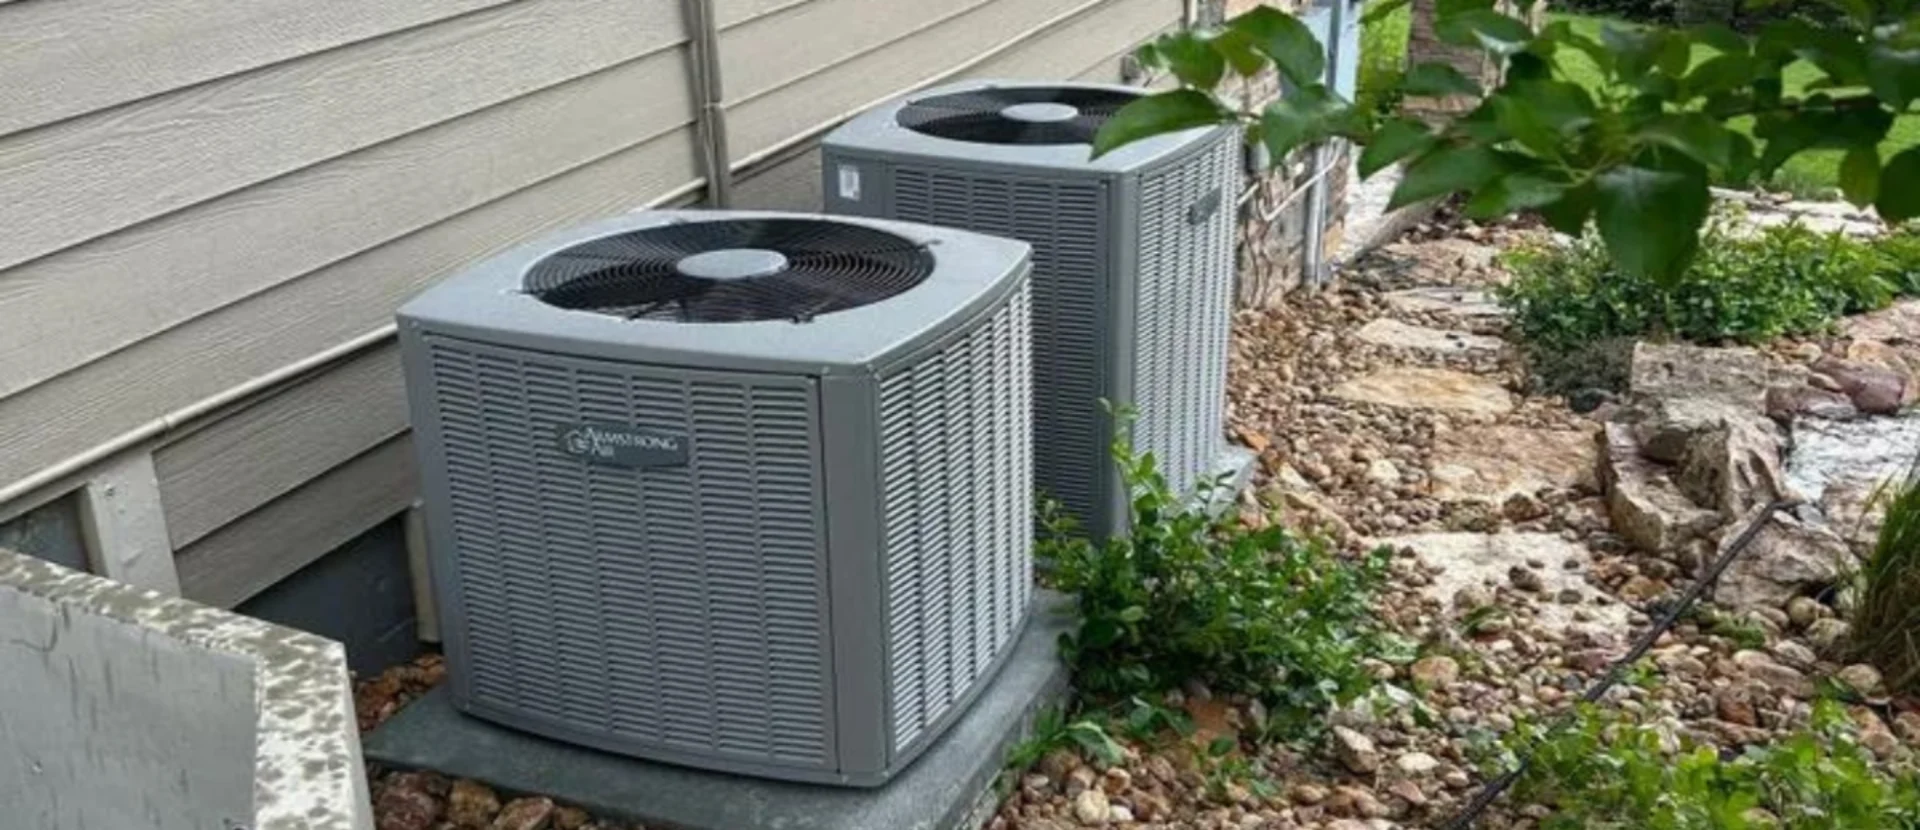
(199,194)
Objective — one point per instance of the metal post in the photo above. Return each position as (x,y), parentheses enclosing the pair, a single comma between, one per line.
(710,117)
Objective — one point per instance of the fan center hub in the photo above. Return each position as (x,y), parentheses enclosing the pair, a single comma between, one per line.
(1040,113)
(732,264)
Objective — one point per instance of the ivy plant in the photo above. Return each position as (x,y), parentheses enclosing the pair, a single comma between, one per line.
(1633,157)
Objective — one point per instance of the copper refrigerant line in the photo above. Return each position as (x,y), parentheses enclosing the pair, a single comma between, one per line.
(1497,787)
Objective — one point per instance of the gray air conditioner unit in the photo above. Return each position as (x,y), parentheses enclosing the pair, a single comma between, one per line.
(1133,262)
(741,491)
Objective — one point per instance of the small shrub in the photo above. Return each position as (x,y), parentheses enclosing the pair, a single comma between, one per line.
(1572,308)
(1189,596)
(1383,57)
(1606,772)
(1886,624)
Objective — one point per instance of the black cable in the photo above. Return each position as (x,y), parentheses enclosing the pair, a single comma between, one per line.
(1498,786)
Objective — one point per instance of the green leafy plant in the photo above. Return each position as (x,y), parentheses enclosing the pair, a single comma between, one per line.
(1632,152)
(1603,771)
(1886,623)
(1053,731)
(1568,300)
(1743,632)
(1186,595)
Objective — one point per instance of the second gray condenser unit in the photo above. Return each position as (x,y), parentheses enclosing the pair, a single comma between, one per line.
(1133,262)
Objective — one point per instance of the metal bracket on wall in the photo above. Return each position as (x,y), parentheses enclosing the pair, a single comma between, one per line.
(125,526)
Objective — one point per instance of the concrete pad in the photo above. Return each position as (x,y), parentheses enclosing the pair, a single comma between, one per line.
(1423,388)
(949,787)
(122,707)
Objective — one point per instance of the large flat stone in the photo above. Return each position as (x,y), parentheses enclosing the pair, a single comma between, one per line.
(1392,333)
(1493,463)
(1465,303)
(1737,377)
(1425,388)
(948,787)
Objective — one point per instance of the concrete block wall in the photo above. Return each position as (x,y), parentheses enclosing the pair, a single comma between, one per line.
(124,708)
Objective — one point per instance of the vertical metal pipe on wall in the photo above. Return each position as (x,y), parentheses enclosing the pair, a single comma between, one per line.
(709,100)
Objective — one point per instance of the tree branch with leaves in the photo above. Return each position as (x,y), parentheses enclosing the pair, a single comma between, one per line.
(1634,156)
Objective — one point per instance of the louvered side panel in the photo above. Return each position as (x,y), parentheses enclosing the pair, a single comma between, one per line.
(1183,311)
(670,607)
(955,447)
(1064,221)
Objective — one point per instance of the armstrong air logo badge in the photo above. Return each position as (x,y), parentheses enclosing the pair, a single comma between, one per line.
(621,445)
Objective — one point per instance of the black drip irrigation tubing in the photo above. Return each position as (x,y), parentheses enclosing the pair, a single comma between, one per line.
(1499,786)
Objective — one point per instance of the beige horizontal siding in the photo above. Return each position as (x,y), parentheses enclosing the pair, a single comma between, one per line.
(1088,47)
(730,13)
(219,473)
(284,183)
(270,544)
(90,175)
(923,53)
(303,316)
(67,57)
(178,267)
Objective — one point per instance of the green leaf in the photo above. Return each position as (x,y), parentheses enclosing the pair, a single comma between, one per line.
(1513,193)
(1720,73)
(1220,746)
(1650,218)
(1834,51)
(1096,741)
(1569,214)
(1437,79)
(1290,44)
(1894,75)
(1149,56)
(1705,139)
(1446,170)
(1133,614)
(1192,59)
(1721,37)
(1901,201)
(1860,175)
(1240,52)
(1485,28)
(1158,114)
(1379,11)
(1541,114)
(1305,116)
(1395,140)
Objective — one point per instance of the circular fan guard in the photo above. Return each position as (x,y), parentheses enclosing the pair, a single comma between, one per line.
(981,116)
(645,274)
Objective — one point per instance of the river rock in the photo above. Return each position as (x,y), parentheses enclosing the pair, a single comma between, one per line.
(1872,389)
(1789,401)
(1647,508)
(1788,558)
(1733,466)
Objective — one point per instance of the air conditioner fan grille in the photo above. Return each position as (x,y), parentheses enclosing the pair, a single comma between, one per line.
(781,269)
(1010,116)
